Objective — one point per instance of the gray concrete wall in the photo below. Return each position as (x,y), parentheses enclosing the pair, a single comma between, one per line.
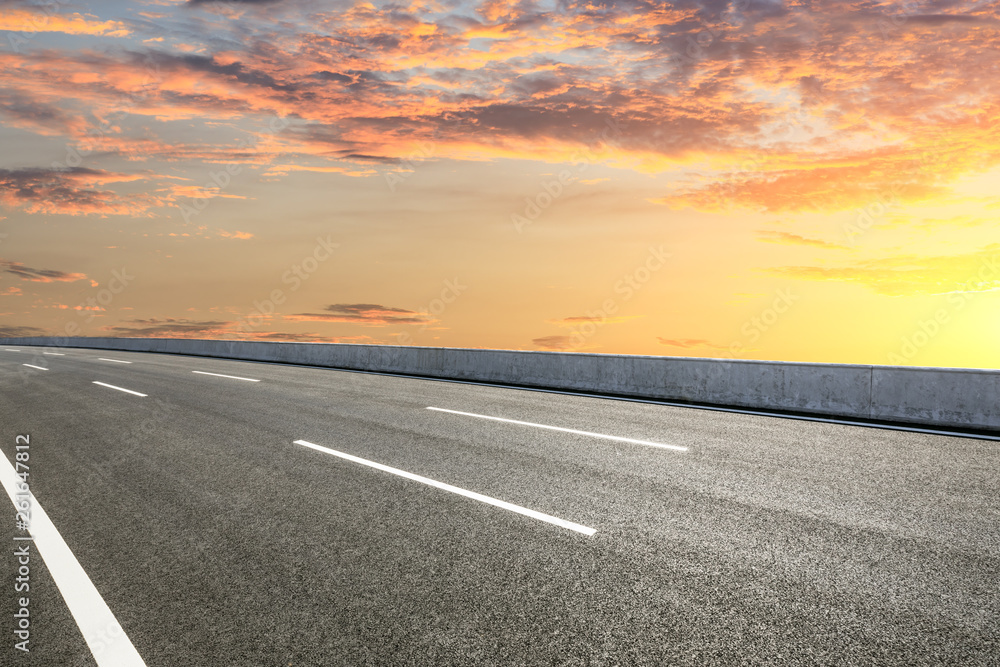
(927,396)
(954,396)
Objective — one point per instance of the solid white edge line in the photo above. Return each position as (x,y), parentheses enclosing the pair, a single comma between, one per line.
(231,377)
(41,368)
(117,361)
(105,637)
(661,445)
(454,489)
(111,386)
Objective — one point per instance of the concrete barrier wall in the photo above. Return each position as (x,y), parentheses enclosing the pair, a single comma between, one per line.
(952,398)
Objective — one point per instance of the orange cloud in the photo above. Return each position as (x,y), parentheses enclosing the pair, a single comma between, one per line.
(170,328)
(828,184)
(788,238)
(368,314)
(555,343)
(174,193)
(21,109)
(790,110)
(24,21)
(63,306)
(910,275)
(71,191)
(38,275)
(286,336)
(690,343)
(20,331)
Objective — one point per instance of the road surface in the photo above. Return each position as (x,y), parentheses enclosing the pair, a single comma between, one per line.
(239,513)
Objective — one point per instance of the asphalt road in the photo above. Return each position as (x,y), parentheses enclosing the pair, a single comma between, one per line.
(215,539)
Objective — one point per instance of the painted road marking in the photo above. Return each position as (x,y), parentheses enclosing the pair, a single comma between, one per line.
(105,638)
(678,448)
(117,361)
(11,350)
(111,386)
(454,489)
(231,377)
(55,354)
(41,368)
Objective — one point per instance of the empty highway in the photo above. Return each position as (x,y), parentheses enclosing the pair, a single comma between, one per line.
(237,513)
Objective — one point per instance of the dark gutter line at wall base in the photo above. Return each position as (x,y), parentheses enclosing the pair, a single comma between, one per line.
(783,414)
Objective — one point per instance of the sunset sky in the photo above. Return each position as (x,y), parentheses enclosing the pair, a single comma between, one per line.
(750,179)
